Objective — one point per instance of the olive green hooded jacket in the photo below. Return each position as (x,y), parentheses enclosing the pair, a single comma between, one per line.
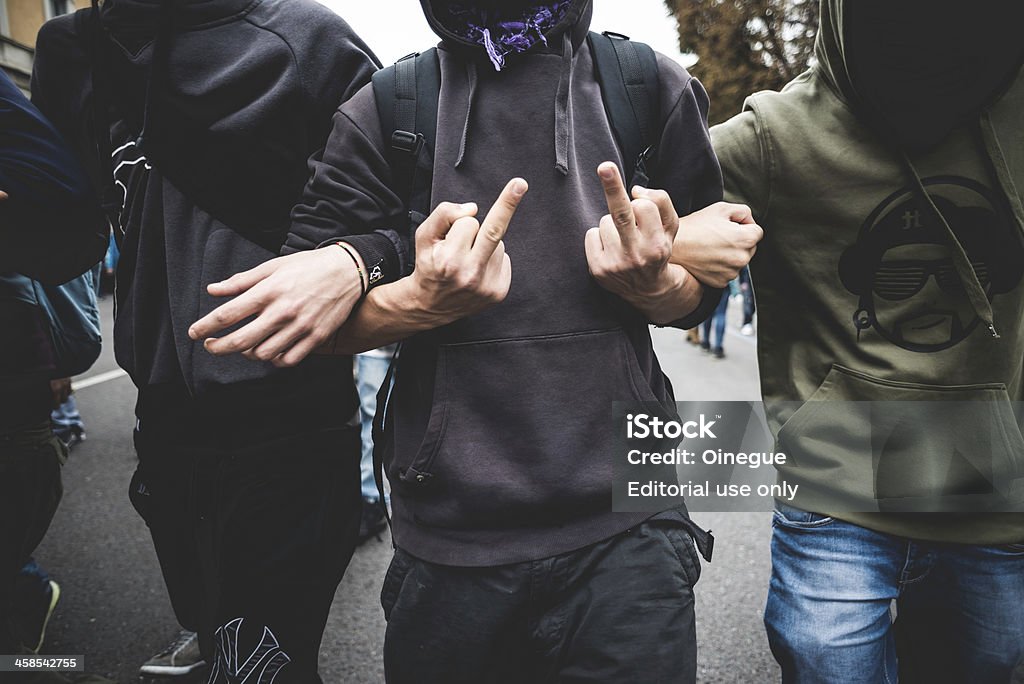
(890,299)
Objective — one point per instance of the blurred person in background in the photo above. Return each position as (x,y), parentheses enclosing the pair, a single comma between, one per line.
(51,229)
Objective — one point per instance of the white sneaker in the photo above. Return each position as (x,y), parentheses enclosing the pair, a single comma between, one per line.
(180,658)
(747,330)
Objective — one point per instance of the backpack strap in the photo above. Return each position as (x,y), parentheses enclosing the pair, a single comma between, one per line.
(627,72)
(407,95)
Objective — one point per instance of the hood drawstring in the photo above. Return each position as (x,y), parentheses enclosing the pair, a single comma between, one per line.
(474,79)
(563,107)
(961,261)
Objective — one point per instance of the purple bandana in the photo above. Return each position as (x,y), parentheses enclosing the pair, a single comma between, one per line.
(501,34)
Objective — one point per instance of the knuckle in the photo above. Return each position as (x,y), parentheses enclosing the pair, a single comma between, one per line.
(644,204)
(737,261)
(661,253)
(291,311)
(622,216)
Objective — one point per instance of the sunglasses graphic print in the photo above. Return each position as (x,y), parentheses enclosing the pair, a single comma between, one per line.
(902,279)
(902,247)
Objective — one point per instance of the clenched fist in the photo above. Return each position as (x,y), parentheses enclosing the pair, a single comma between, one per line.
(715,243)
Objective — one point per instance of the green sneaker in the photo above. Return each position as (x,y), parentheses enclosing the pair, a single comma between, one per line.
(180,658)
(32,618)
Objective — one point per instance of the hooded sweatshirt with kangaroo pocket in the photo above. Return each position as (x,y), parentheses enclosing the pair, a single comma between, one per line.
(891,343)
(500,423)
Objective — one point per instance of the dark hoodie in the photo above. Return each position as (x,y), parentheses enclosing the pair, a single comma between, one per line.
(215,107)
(501,423)
(887,179)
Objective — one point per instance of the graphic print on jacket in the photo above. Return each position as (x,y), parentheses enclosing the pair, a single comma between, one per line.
(902,270)
(231,666)
(131,169)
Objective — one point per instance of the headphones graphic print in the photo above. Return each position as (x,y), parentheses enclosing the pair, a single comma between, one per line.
(901,266)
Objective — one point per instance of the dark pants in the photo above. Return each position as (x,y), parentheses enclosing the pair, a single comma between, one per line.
(30,490)
(253,541)
(615,612)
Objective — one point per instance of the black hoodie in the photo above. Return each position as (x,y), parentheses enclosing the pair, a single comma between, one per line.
(501,424)
(228,119)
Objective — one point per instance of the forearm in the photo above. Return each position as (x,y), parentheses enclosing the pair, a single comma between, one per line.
(390,313)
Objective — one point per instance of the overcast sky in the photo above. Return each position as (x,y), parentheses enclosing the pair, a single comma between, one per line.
(394,28)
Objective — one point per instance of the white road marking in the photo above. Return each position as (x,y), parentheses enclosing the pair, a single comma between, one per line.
(98,379)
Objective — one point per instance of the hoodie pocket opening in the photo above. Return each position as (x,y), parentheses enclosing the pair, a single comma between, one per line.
(882,444)
(518,424)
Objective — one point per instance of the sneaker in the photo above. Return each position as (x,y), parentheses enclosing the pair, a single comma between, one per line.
(180,658)
(72,436)
(32,619)
(747,329)
(374,520)
(704,346)
(718,353)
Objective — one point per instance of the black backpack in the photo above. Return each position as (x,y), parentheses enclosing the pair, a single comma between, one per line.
(407,95)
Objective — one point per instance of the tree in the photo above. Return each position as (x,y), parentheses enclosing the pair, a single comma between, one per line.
(743,46)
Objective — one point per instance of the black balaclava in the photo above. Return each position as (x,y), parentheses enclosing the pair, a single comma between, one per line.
(922,67)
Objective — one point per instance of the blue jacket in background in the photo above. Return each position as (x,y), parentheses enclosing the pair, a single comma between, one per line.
(51,227)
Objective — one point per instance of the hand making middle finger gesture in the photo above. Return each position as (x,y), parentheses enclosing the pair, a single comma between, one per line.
(629,252)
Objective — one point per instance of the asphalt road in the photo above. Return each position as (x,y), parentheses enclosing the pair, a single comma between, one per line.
(115,611)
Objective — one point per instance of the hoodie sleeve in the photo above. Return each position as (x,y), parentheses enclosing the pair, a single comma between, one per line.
(740,150)
(51,228)
(348,197)
(687,168)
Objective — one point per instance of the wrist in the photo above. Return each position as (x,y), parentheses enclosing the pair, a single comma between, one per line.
(662,301)
(669,281)
(351,256)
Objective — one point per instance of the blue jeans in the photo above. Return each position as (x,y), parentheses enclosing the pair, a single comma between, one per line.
(718,320)
(66,416)
(961,608)
(370,374)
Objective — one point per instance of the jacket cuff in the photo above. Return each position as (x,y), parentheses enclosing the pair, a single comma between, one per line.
(708,303)
(378,254)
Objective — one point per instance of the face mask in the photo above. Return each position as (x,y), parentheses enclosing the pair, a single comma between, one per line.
(505,7)
(922,67)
